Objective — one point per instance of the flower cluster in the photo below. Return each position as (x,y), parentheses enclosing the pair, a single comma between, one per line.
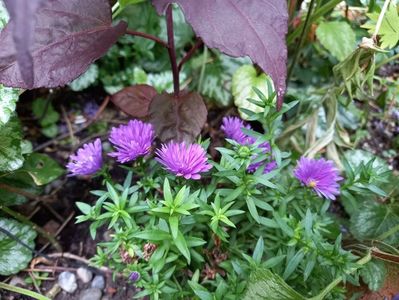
(233,129)
(135,140)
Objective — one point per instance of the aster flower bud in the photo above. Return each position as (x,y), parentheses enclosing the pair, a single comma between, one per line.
(134,276)
(87,161)
(131,141)
(320,175)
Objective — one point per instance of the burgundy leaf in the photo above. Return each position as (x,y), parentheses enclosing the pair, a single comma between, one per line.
(23,12)
(254,28)
(67,37)
(178,118)
(135,100)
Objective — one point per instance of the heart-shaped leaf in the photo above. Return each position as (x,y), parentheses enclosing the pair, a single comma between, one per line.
(254,28)
(8,103)
(14,256)
(178,118)
(135,100)
(67,37)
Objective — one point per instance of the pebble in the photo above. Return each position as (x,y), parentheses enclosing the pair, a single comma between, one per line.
(98,282)
(16,280)
(90,294)
(67,282)
(84,274)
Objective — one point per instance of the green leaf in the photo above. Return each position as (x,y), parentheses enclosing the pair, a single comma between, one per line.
(252,209)
(152,235)
(3,15)
(8,101)
(293,263)
(244,80)
(181,244)
(389,30)
(42,168)
(258,252)
(174,226)
(44,111)
(200,291)
(337,37)
(124,3)
(264,285)
(13,256)
(373,219)
(374,273)
(86,79)
(10,146)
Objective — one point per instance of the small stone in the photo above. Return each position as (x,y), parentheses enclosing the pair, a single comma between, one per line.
(84,274)
(90,294)
(16,280)
(67,282)
(98,282)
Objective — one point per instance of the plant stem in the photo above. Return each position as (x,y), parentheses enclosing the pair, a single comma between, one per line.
(301,39)
(18,191)
(203,67)
(40,230)
(147,36)
(22,291)
(172,50)
(385,61)
(318,13)
(190,53)
(380,19)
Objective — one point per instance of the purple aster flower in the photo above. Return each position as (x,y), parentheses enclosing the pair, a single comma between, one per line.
(187,160)
(232,128)
(134,276)
(319,174)
(87,161)
(131,141)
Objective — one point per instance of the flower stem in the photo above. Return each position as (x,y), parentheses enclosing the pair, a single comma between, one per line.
(380,19)
(172,50)
(22,291)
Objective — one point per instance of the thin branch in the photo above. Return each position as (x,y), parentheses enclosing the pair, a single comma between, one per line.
(147,36)
(190,53)
(18,191)
(301,39)
(22,291)
(380,19)
(172,50)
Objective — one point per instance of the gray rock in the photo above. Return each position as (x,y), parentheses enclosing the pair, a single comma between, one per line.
(90,294)
(98,282)
(67,282)
(84,274)
(16,280)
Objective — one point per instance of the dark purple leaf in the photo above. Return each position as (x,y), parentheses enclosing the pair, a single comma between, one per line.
(254,28)
(22,13)
(178,118)
(135,100)
(68,36)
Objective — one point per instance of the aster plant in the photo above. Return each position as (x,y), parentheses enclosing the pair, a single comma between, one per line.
(175,236)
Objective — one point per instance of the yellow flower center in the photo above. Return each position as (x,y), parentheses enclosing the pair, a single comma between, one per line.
(312,183)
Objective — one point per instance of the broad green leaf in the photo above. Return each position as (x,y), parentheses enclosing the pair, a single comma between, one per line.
(337,37)
(374,274)
(264,285)
(10,146)
(8,102)
(373,219)
(20,181)
(86,79)
(389,30)
(42,168)
(244,80)
(13,256)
